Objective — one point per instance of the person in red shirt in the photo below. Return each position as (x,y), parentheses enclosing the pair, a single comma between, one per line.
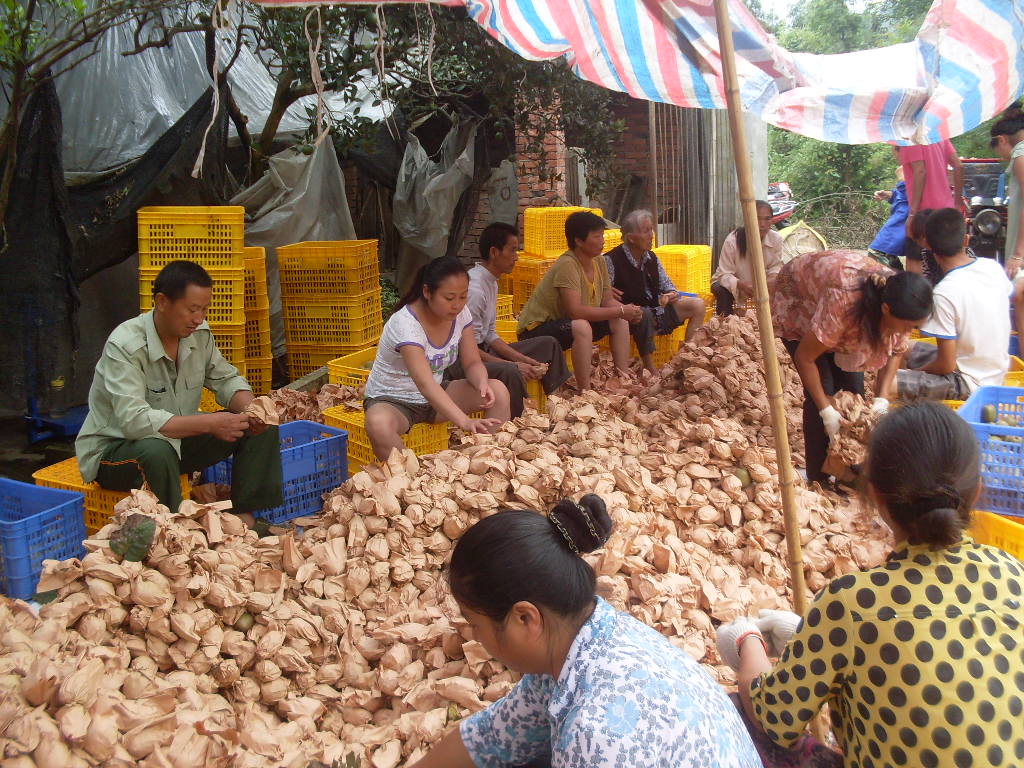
(926,171)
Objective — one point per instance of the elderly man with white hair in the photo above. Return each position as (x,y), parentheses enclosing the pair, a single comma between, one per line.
(639,278)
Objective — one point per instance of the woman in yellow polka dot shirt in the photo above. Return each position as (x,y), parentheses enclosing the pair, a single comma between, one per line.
(921,659)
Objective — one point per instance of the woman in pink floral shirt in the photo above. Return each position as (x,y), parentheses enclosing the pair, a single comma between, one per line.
(840,313)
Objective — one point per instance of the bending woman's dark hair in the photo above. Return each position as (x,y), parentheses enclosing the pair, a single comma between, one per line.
(517,555)
(907,294)
(430,276)
(918,222)
(923,464)
(1010,123)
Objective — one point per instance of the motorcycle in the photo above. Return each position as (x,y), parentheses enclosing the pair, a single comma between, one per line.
(780,198)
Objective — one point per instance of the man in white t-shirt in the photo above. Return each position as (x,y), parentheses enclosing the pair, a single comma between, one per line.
(970,320)
(510,363)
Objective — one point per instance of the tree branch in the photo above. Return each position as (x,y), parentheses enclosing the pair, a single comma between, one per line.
(169,34)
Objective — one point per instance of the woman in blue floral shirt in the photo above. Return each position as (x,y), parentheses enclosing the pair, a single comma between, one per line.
(599,687)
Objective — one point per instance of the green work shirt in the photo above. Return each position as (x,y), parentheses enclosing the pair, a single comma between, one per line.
(137,387)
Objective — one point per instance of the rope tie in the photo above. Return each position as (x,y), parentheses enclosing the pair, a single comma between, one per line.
(323,125)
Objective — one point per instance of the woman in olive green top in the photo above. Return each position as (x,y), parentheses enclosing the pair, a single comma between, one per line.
(574,301)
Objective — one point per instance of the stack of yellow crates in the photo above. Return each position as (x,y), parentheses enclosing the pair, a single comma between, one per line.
(259,360)
(330,292)
(212,236)
(543,242)
(688,266)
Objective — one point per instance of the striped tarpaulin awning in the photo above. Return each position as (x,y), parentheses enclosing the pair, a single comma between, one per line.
(965,65)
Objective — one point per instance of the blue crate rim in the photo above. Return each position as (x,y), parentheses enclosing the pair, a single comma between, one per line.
(41,492)
(55,532)
(303,492)
(970,411)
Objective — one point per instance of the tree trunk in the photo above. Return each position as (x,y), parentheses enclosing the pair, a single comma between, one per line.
(284,96)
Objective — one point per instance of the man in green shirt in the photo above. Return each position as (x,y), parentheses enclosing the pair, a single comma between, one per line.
(143,423)
(574,301)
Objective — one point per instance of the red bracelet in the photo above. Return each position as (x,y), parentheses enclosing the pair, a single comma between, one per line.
(751,633)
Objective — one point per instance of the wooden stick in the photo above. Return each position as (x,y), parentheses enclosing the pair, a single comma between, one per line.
(787,474)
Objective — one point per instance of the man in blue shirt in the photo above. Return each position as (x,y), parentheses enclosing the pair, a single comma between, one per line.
(887,247)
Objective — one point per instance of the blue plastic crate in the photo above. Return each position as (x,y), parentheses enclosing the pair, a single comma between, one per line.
(314,460)
(36,524)
(1001,448)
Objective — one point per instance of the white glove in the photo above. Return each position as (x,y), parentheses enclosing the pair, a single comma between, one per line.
(728,638)
(777,628)
(831,418)
(880,406)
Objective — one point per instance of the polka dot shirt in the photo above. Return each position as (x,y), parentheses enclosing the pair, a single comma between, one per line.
(921,661)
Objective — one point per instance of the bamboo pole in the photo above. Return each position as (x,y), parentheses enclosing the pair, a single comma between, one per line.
(777,406)
(652,141)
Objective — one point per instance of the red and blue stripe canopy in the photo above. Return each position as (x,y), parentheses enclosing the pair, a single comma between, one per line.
(965,65)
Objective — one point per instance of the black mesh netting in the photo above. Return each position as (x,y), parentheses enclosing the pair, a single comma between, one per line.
(37,266)
(58,236)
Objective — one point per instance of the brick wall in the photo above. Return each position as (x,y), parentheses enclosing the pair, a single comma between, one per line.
(477,221)
(532,191)
(633,149)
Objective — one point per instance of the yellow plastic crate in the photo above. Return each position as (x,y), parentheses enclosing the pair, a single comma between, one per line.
(227,305)
(504,307)
(257,333)
(1006,533)
(422,438)
(352,370)
(213,236)
(666,346)
(231,343)
(328,268)
(612,239)
(258,372)
(1015,376)
(709,306)
(535,391)
(351,320)
(688,266)
(99,502)
(208,402)
(506,330)
(544,229)
(303,359)
(526,277)
(256,278)
(505,281)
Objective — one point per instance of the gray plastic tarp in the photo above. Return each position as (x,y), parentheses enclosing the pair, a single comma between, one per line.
(427,191)
(299,198)
(115,107)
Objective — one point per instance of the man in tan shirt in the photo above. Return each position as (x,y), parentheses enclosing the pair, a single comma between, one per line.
(574,301)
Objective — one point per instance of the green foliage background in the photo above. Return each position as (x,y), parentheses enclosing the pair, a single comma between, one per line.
(439,65)
(835,181)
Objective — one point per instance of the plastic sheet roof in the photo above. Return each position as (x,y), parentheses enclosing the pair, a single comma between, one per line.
(964,66)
